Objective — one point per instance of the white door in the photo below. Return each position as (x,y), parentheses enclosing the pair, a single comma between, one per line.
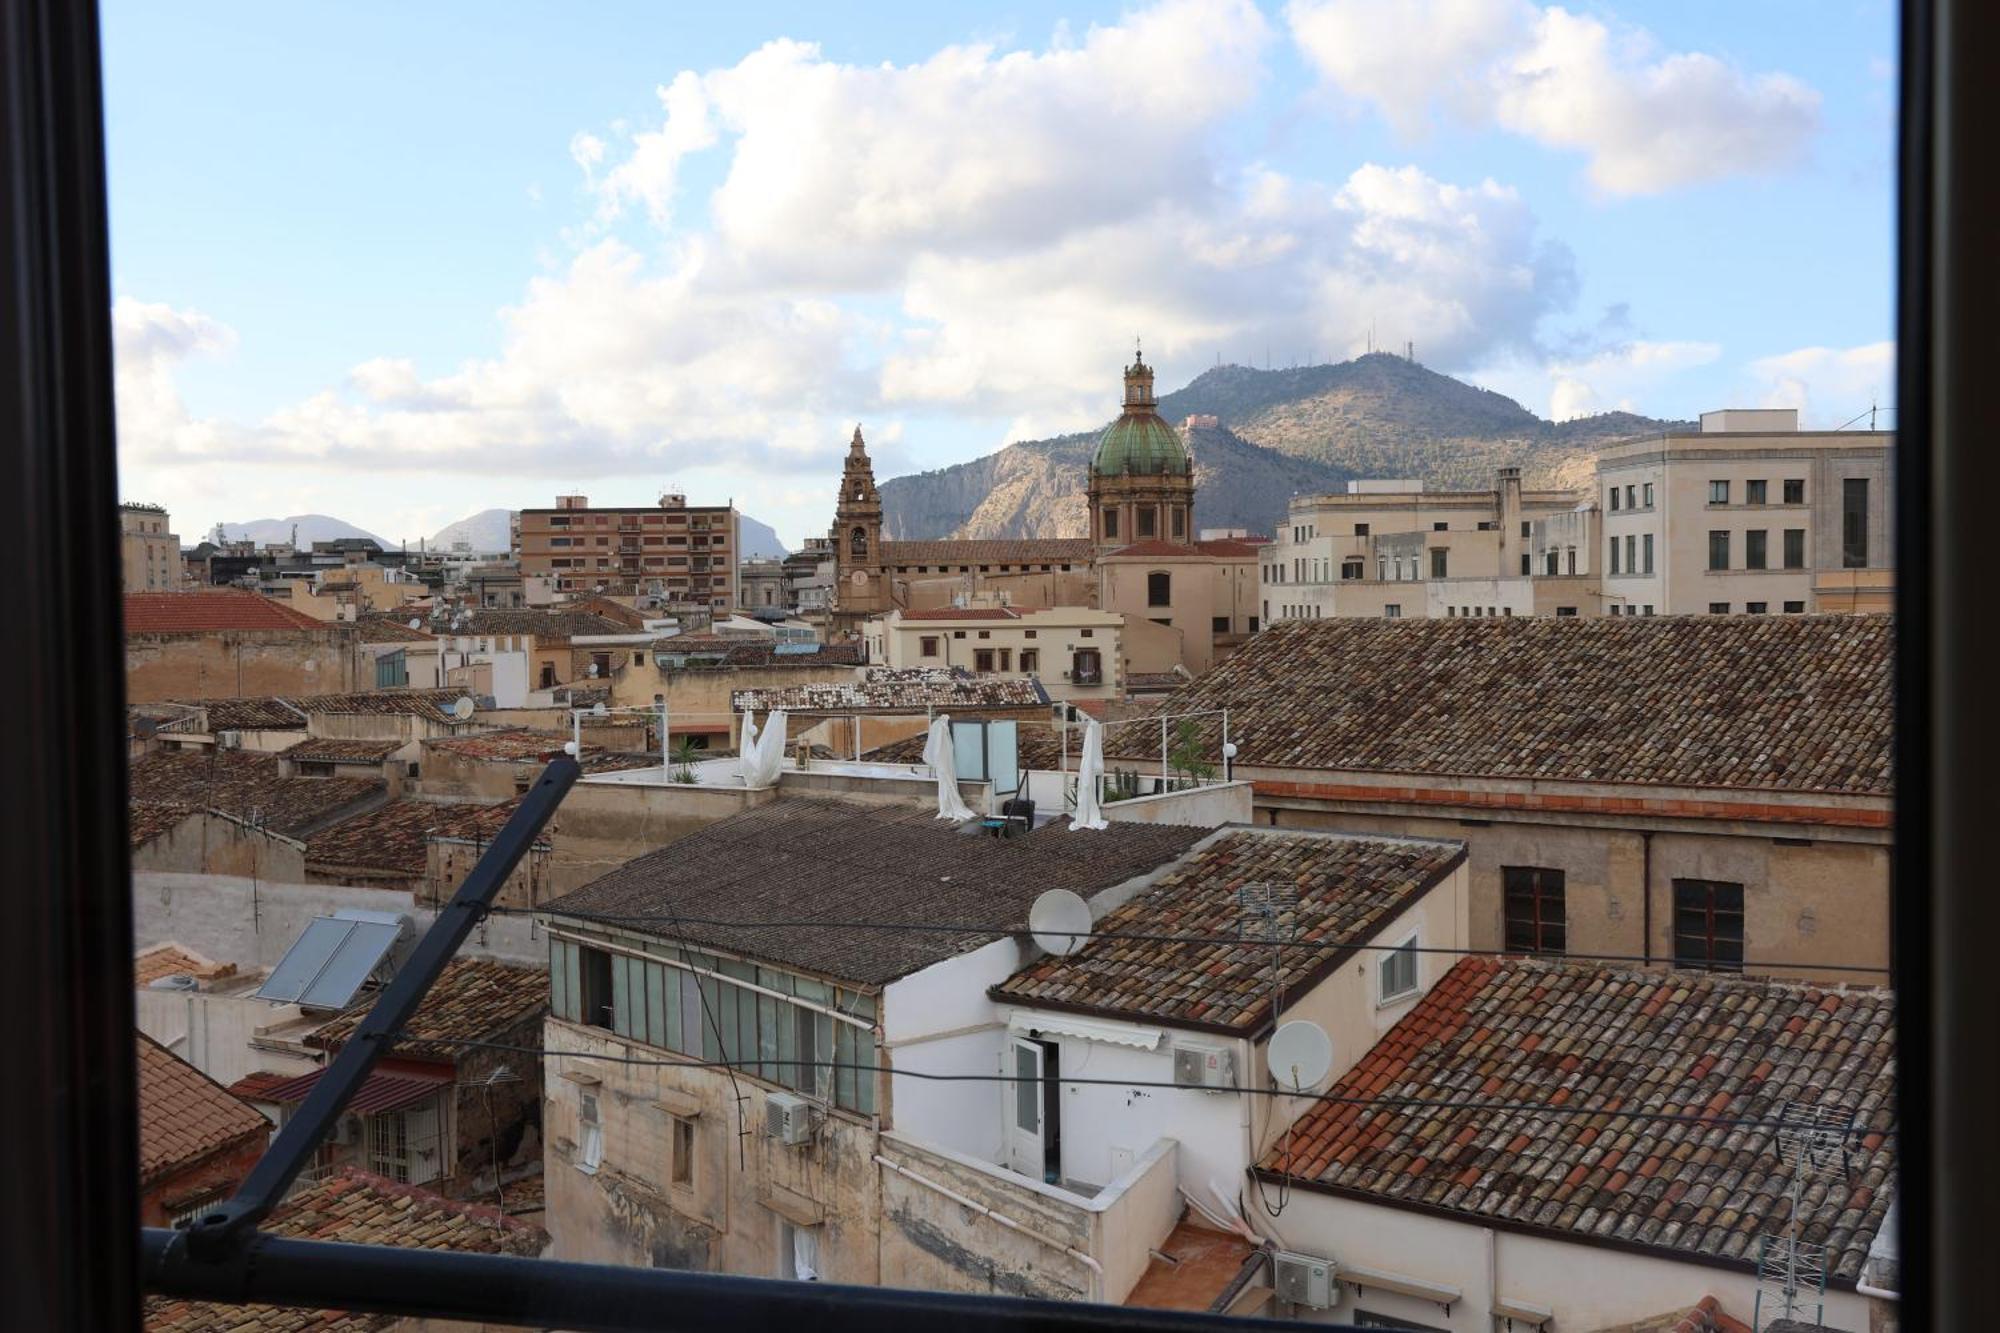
(1024,1108)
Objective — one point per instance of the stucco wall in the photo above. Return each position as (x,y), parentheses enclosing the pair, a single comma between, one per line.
(241,664)
(603,825)
(209,843)
(213,1031)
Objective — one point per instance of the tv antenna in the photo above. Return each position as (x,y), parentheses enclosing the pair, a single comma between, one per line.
(1268,910)
(1791,1271)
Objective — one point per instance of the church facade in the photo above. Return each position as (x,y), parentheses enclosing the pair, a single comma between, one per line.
(1184,599)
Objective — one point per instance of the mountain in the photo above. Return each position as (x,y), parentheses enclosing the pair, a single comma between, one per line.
(1282,432)
(488,532)
(757,541)
(311,528)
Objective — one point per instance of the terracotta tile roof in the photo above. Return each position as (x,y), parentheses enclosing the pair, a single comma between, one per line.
(210,611)
(255,1087)
(251,715)
(628,616)
(358,1209)
(341,751)
(733,652)
(964,613)
(545,626)
(381,1091)
(246,784)
(473,998)
(1031,551)
(897,690)
(395,839)
(185,1116)
(390,627)
(429,704)
(166,960)
(1348,888)
(148,820)
(1552,1033)
(1789,703)
(1157,549)
(831,860)
(520,745)
(1036,746)
(1153,681)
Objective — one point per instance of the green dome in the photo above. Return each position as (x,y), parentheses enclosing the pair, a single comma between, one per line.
(1139,444)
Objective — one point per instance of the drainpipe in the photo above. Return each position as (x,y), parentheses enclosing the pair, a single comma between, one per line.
(1879,1293)
(1646,893)
(1096,1269)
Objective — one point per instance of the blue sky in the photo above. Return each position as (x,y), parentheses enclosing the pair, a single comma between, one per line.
(401,263)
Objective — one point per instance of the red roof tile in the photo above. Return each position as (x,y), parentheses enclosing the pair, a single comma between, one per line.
(1697,1190)
(964,613)
(209,611)
(379,1092)
(395,839)
(976,552)
(474,999)
(185,1116)
(246,785)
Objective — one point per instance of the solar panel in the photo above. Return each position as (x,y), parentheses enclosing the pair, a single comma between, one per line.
(328,963)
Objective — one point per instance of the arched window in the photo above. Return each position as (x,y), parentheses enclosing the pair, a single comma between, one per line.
(1159,588)
(857,541)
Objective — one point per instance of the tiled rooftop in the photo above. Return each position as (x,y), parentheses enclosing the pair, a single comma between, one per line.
(166,960)
(1036,746)
(545,626)
(357,1209)
(430,704)
(1571,1034)
(473,998)
(209,611)
(897,690)
(252,715)
(522,745)
(1220,548)
(245,784)
(736,653)
(185,1116)
(1348,888)
(830,860)
(341,751)
(964,613)
(151,819)
(395,839)
(1032,551)
(1786,703)
(391,627)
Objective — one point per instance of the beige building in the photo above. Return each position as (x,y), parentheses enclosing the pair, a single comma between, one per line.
(1143,561)
(355,590)
(1074,652)
(1691,791)
(685,554)
(152,553)
(1749,514)
(1392,549)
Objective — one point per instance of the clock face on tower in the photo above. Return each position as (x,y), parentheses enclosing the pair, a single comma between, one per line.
(858,578)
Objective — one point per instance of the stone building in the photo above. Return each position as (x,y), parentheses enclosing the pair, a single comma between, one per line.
(151,551)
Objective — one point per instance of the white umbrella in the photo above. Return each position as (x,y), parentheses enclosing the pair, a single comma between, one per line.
(762,762)
(944,762)
(1088,770)
(746,743)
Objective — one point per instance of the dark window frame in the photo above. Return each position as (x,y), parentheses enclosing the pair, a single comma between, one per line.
(1529,895)
(1709,913)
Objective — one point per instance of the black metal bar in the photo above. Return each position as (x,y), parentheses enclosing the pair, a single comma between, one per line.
(211,1236)
(70,1166)
(503,1289)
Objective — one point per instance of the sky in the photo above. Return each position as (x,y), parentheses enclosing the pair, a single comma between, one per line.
(401,263)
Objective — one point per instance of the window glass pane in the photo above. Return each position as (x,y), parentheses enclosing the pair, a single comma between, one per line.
(1027,1091)
(713,1019)
(768,1008)
(559,980)
(694,1028)
(621,1003)
(656,1003)
(864,1079)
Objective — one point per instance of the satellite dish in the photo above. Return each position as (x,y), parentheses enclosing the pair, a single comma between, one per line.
(1300,1056)
(461,708)
(416,623)
(599,710)
(1060,922)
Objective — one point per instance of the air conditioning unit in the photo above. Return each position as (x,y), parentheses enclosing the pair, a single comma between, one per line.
(1303,1279)
(1200,1065)
(229,740)
(788,1119)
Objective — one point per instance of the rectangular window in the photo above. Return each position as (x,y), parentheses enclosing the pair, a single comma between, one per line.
(1006,658)
(1646,549)
(1718,608)
(594,978)
(1159,588)
(1180,521)
(1708,925)
(1795,548)
(1795,491)
(928,645)
(1854,523)
(1617,499)
(1438,557)
(1396,974)
(982,659)
(1440,527)
(1718,492)
(798,1252)
(1393,611)
(1754,492)
(1569,559)
(1350,569)
(1649,495)
(1361,529)
(1218,624)
(1631,497)
(1145,521)
(1252,625)
(1795,608)
(1718,550)
(1533,909)
(590,1135)
(1631,553)
(1527,564)
(1614,555)
(682,1167)
(1031,660)
(1755,546)
(1755,608)
(1551,563)
(1110,522)
(1565,610)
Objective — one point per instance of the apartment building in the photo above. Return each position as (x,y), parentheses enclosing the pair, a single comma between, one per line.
(685,554)
(1073,651)
(1394,549)
(152,553)
(1748,514)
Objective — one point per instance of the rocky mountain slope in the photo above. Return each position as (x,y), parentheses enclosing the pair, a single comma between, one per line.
(1282,432)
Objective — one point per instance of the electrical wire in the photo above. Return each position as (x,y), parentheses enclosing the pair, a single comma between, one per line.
(1368,1103)
(1003,928)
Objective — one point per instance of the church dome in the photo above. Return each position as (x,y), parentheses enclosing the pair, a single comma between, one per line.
(1140,443)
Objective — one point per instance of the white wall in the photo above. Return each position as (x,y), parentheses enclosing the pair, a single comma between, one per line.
(213,1032)
(1097,1118)
(1542,1271)
(252,922)
(940,1021)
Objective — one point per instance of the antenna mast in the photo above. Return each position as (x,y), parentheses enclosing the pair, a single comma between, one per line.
(1791,1272)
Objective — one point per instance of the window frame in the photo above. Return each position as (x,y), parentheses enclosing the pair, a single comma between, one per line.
(1402,951)
(1533,884)
(1685,891)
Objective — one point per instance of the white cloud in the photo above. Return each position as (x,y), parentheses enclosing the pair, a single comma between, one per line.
(1647,120)
(1829,385)
(1622,379)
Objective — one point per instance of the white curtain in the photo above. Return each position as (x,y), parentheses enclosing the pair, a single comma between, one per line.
(746,744)
(1088,770)
(766,756)
(944,762)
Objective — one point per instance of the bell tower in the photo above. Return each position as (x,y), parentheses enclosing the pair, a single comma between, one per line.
(861,578)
